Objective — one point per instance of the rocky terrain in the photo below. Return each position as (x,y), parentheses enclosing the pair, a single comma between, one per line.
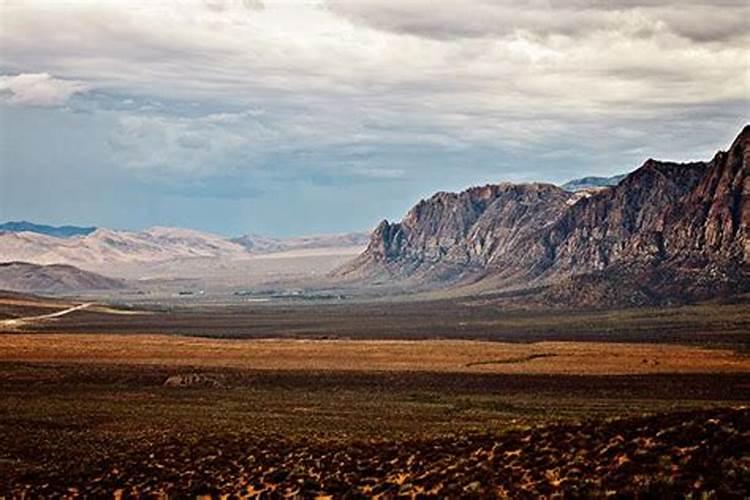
(452,236)
(56,278)
(667,232)
(696,454)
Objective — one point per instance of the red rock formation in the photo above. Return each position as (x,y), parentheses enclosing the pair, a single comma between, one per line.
(677,231)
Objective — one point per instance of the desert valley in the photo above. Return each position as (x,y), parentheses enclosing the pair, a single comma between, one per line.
(374,249)
(509,340)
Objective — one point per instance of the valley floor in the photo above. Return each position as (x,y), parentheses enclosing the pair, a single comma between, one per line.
(88,412)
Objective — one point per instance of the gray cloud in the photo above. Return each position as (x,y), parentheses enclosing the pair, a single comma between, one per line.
(452,19)
(359,99)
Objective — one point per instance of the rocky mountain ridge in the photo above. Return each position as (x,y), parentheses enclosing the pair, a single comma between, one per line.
(666,231)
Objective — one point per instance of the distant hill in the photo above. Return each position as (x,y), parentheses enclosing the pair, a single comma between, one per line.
(592,183)
(105,246)
(55,231)
(57,278)
(262,244)
(667,232)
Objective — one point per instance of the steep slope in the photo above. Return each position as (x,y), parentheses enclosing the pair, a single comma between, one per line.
(711,223)
(56,231)
(622,223)
(451,237)
(666,232)
(25,277)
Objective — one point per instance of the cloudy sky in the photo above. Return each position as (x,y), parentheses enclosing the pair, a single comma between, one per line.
(293,116)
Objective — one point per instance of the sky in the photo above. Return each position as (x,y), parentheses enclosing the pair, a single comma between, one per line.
(291,117)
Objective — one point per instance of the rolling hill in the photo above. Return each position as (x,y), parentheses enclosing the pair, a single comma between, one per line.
(57,278)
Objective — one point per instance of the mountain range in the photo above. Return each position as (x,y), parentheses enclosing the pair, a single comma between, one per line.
(157,244)
(667,232)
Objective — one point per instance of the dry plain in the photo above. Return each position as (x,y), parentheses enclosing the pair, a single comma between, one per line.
(445,356)
(371,400)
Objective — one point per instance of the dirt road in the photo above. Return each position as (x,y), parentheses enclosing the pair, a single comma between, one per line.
(56,314)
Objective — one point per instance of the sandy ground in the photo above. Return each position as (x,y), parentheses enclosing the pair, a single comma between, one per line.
(590,358)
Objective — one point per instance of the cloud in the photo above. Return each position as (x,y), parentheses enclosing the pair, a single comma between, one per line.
(452,19)
(362,89)
(226,5)
(39,89)
(169,145)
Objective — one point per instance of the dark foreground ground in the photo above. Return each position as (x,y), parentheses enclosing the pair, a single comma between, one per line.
(96,430)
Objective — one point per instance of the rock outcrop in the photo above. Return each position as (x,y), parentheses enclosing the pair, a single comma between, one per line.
(673,231)
(451,237)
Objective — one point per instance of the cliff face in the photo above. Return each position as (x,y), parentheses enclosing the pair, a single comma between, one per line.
(684,218)
(454,236)
(624,223)
(664,226)
(711,222)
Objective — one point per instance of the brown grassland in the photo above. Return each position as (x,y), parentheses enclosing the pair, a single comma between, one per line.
(453,356)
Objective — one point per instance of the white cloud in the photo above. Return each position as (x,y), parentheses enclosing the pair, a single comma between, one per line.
(39,89)
(369,76)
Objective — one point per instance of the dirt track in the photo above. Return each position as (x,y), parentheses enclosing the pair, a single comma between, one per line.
(31,319)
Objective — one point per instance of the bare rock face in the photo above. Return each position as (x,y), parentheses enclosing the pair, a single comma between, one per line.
(666,232)
(691,214)
(711,222)
(622,223)
(453,236)
(674,232)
